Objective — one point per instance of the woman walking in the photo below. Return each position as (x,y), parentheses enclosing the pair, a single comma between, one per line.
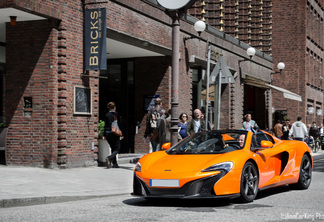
(113,139)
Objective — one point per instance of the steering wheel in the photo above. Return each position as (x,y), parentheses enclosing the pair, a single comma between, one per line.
(235,146)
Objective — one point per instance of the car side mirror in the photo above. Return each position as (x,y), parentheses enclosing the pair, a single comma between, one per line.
(266,144)
(166,146)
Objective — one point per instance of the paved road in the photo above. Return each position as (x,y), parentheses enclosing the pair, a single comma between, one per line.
(277,204)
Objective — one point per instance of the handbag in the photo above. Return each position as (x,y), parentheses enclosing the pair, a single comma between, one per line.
(115,129)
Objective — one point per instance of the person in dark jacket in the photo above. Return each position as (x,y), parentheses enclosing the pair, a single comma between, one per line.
(153,119)
(197,124)
(164,129)
(113,140)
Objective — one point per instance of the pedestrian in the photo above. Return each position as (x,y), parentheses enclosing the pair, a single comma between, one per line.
(277,129)
(153,119)
(285,129)
(183,123)
(209,126)
(322,135)
(314,131)
(113,139)
(298,130)
(196,124)
(249,124)
(321,130)
(164,129)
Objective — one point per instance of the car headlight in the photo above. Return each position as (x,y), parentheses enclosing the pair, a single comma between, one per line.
(227,166)
(138,167)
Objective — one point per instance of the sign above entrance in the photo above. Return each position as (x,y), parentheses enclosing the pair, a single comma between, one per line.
(95,39)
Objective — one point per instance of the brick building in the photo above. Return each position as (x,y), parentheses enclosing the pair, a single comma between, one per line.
(42,67)
(299,43)
(289,31)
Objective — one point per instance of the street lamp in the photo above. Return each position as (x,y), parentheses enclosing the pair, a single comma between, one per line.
(280,66)
(175,9)
(199,26)
(250,52)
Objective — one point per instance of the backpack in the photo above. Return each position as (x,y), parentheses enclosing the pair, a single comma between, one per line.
(154,120)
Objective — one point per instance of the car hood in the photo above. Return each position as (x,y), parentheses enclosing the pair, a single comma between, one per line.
(161,162)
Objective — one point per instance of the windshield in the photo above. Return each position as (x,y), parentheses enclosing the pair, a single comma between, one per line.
(211,142)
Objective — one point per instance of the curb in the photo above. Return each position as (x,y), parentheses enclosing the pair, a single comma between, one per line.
(19,202)
(124,160)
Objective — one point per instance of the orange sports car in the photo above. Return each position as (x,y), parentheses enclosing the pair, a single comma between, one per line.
(223,163)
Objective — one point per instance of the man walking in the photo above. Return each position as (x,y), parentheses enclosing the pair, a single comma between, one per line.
(298,130)
(152,123)
(197,124)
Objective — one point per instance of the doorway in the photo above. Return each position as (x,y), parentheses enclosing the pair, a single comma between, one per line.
(119,88)
(255,104)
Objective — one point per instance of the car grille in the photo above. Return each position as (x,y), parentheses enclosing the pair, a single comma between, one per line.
(199,188)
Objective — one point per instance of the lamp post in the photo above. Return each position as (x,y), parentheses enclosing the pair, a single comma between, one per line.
(175,9)
(200,26)
(281,67)
(175,77)
(250,52)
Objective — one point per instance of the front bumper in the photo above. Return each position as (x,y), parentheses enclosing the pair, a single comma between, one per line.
(201,188)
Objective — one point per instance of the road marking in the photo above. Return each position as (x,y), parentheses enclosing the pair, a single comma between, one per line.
(318,160)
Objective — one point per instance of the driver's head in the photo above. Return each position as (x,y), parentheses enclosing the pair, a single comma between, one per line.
(241,140)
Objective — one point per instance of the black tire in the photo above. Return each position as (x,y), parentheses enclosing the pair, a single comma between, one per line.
(249,183)
(305,174)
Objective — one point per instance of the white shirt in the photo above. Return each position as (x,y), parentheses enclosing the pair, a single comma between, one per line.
(248,126)
(197,125)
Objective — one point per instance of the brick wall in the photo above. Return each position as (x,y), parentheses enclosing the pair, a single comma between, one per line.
(298,42)
(44,61)
(31,140)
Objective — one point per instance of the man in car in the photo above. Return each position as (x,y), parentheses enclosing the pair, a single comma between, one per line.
(241,140)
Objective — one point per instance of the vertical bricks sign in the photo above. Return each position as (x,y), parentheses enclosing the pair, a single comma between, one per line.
(95,39)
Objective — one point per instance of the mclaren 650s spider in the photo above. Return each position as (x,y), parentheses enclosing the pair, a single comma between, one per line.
(223,163)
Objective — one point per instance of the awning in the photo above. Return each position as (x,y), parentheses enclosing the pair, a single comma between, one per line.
(211,93)
(286,93)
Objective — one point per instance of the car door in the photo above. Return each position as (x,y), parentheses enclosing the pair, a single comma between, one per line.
(268,159)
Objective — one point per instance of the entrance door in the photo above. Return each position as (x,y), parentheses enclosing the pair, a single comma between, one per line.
(119,88)
(255,104)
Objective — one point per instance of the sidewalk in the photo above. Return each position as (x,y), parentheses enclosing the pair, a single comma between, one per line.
(22,186)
